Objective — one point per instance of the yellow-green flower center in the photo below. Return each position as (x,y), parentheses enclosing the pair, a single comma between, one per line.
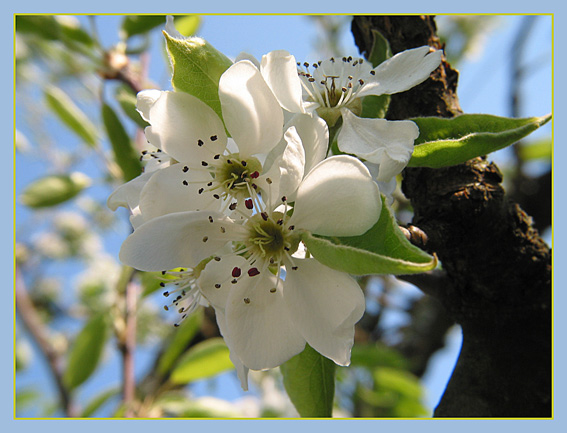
(234,174)
(270,238)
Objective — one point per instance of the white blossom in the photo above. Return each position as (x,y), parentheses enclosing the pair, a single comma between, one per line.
(335,88)
(268,302)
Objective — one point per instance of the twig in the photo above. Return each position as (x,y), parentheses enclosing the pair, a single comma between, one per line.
(30,318)
(127,348)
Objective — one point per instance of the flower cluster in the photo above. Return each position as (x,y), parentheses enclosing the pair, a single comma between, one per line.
(223,204)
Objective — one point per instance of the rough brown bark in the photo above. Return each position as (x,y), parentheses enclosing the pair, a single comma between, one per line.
(498,267)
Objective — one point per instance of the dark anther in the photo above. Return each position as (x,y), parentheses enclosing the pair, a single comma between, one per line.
(252,272)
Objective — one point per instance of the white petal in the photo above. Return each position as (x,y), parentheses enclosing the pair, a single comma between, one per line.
(181,239)
(166,193)
(178,121)
(385,142)
(251,112)
(241,369)
(314,135)
(286,171)
(279,69)
(145,100)
(128,195)
(261,332)
(402,72)
(387,188)
(325,305)
(136,219)
(247,56)
(337,198)
(214,281)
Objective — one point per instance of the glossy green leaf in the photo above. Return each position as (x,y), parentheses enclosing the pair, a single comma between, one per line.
(86,351)
(181,338)
(138,24)
(202,361)
(125,155)
(309,380)
(127,100)
(444,142)
(197,68)
(381,250)
(71,115)
(54,189)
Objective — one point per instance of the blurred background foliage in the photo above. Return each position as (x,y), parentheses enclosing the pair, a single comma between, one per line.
(96,329)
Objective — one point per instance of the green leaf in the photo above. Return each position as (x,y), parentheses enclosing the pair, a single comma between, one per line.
(374,107)
(374,355)
(181,338)
(381,50)
(124,153)
(444,142)
(540,149)
(72,33)
(26,398)
(402,388)
(54,189)
(177,405)
(197,68)
(98,401)
(66,29)
(309,380)
(383,249)
(202,361)
(138,24)
(71,115)
(44,26)
(127,100)
(187,25)
(86,351)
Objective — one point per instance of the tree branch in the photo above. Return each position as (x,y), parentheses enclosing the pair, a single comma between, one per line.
(35,327)
(499,268)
